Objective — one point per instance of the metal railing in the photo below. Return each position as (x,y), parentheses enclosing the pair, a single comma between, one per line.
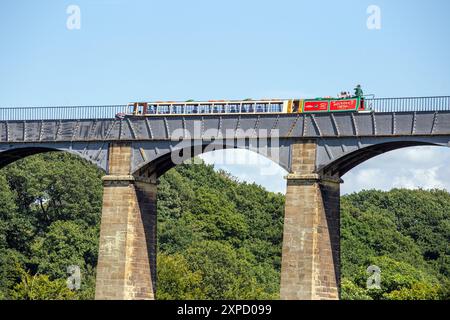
(61,113)
(441,103)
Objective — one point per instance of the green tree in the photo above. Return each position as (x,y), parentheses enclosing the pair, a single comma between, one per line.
(50,207)
(40,287)
(66,243)
(351,291)
(405,233)
(176,281)
(226,272)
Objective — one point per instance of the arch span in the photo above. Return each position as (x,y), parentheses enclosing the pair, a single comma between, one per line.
(12,155)
(154,161)
(348,161)
(89,151)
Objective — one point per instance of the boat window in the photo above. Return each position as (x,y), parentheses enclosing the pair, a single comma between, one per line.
(177,108)
(275,107)
(151,109)
(233,108)
(220,108)
(203,108)
(248,107)
(140,109)
(261,107)
(188,109)
(163,109)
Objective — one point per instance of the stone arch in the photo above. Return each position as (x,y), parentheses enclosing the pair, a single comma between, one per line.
(348,161)
(163,161)
(11,153)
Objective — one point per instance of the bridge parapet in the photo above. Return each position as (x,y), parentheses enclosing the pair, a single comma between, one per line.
(408,104)
(60,112)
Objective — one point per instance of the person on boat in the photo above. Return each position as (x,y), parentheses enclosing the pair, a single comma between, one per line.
(358,91)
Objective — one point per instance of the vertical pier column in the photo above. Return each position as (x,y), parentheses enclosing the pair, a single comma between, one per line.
(310,253)
(126,266)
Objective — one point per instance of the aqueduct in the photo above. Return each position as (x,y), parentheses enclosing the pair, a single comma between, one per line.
(316,150)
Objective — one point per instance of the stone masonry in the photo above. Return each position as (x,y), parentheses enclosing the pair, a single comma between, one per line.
(127,251)
(310,253)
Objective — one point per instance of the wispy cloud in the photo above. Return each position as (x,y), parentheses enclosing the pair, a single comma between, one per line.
(412,168)
(418,167)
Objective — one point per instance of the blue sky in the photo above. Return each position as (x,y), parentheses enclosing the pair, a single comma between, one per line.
(178,50)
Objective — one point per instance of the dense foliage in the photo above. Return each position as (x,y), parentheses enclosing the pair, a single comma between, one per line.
(406,233)
(226,234)
(50,207)
(217,238)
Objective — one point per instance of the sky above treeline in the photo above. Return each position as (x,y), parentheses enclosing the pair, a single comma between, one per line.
(122,51)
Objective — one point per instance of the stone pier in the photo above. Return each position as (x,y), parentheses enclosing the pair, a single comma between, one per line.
(127,251)
(310,254)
